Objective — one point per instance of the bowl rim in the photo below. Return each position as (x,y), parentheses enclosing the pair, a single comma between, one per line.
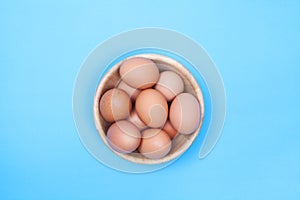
(183,71)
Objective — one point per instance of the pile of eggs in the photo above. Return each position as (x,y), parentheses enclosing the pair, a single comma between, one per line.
(147,109)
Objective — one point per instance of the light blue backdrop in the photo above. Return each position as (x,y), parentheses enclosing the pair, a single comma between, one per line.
(255,45)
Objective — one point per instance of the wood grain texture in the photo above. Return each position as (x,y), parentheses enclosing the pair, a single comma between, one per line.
(181,142)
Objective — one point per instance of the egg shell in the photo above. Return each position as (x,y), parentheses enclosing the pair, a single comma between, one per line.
(152,108)
(185,113)
(170,130)
(132,92)
(135,119)
(123,136)
(169,84)
(115,104)
(139,72)
(155,143)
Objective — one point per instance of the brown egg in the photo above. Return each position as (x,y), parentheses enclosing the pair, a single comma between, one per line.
(170,130)
(155,143)
(123,136)
(185,113)
(169,84)
(139,73)
(115,104)
(132,92)
(152,108)
(135,119)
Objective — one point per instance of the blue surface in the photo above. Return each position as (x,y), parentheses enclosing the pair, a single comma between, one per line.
(255,46)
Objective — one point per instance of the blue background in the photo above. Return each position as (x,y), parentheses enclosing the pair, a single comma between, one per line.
(255,45)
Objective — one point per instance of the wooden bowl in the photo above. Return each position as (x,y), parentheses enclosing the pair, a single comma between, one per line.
(181,142)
